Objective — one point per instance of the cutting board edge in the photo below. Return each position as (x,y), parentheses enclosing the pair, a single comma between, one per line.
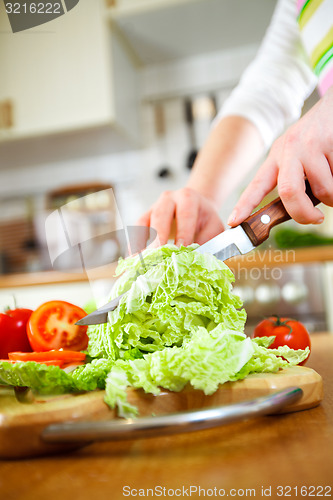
(93,405)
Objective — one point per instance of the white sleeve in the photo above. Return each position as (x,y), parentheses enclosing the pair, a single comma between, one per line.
(272,90)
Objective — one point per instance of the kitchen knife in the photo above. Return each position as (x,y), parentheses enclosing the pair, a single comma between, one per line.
(174,423)
(235,241)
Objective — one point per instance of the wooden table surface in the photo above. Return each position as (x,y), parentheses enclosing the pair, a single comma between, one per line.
(276,453)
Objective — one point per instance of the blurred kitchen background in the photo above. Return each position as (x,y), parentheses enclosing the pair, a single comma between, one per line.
(102,110)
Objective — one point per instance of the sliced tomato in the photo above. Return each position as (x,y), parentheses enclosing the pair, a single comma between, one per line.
(52,326)
(60,358)
(65,356)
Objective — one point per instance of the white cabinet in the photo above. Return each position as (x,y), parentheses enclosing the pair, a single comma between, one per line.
(70,74)
(164,30)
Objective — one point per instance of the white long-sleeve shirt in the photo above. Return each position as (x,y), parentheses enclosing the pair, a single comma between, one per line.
(272,90)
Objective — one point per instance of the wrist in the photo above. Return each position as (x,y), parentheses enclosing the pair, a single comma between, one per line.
(205,192)
(232,149)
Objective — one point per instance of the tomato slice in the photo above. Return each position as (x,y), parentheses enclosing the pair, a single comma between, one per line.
(59,358)
(52,326)
(66,356)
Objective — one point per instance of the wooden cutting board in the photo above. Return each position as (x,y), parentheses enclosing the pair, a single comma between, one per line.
(23,416)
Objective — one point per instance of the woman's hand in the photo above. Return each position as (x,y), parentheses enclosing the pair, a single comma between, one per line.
(195,216)
(305,150)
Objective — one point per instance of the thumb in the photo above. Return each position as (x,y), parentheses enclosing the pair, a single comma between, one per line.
(264,181)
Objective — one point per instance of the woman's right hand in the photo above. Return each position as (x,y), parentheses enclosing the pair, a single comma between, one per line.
(195,216)
(305,150)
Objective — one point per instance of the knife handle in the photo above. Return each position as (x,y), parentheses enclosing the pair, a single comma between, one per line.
(258,225)
(174,423)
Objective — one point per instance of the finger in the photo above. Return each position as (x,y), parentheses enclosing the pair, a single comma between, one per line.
(321,179)
(187,211)
(144,220)
(264,181)
(329,157)
(211,229)
(162,216)
(139,237)
(291,187)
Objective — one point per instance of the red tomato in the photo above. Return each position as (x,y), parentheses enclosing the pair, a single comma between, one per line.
(52,326)
(286,331)
(13,331)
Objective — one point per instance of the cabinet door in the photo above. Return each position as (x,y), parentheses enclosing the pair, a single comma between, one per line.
(57,76)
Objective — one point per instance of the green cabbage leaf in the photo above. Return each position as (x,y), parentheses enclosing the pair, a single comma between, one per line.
(168,293)
(205,361)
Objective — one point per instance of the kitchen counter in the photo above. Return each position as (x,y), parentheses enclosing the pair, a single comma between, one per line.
(269,257)
(56,277)
(276,453)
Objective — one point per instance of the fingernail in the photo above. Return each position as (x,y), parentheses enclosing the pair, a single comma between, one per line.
(319,221)
(232,218)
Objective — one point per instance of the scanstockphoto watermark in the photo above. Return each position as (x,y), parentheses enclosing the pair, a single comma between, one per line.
(27,14)
(188,491)
(216,492)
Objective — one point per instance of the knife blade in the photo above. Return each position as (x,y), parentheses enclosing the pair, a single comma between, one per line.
(235,241)
(101,314)
(228,244)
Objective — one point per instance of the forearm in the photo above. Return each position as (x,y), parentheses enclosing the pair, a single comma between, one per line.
(233,147)
(268,98)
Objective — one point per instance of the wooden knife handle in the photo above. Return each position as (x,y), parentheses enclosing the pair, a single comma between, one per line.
(258,225)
